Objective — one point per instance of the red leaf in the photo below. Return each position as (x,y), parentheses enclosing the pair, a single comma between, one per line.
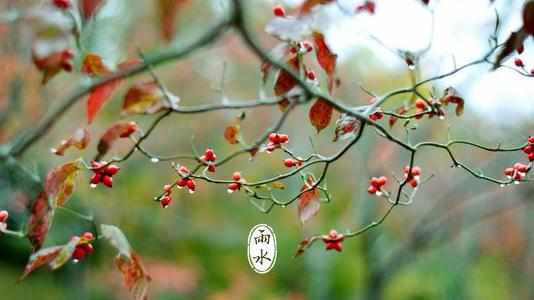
(89,8)
(40,220)
(39,259)
(59,183)
(135,277)
(93,65)
(98,97)
(309,204)
(167,15)
(116,131)
(80,139)
(325,57)
(321,114)
(285,82)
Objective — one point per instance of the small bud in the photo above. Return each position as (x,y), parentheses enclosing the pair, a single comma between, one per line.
(279,11)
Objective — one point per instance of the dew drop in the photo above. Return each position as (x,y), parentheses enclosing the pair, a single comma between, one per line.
(516,182)
(442,117)
(411,67)
(53,150)
(92,185)
(283,206)
(191,192)
(154,160)
(75,261)
(502,185)
(230,191)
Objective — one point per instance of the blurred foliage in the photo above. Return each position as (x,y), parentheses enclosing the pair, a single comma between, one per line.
(196,249)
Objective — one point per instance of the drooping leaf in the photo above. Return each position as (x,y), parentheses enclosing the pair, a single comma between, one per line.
(168,11)
(232,133)
(89,7)
(40,221)
(285,81)
(321,114)
(80,139)
(308,203)
(134,275)
(40,258)
(147,98)
(113,133)
(98,97)
(65,254)
(59,183)
(326,58)
(117,239)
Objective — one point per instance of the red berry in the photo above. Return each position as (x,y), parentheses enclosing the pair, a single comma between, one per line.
(211,168)
(531,156)
(288,162)
(519,63)
(311,75)
(531,139)
(181,183)
(165,201)
(520,49)
(279,11)
(3,216)
(274,138)
(372,189)
(209,155)
(528,149)
(167,188)
(234,186)
(78,254)
(521,167)
(509,172)
(183,171)
(107,181)
(307,46)
(88,236)
(62,4)
(96,178)
(112,170)
(236,176)
(414,183)
(97,164)
(191,185)
(284,138)
(87,248)
(382,180)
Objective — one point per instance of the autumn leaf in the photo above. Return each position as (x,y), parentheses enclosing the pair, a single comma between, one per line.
(65,254)
(285,82)
(320,114)
(308,203)
(39,259)
(59,183)
(147,98)
(167,10)
(134,275)
(80,139)
(89,8)
(51,64)
(325,57)
(93,65)
(232,133)
(39,221)
(113,133)
(452,96)
(102,93)
(308,5)
(136,279)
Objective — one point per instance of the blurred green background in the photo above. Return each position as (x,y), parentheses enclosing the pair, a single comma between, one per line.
(460,239)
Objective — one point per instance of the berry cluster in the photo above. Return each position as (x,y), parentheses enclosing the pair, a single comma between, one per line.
(518,62)
(103,173)
(333,241)
(412,176)
(276,140)
(517,172)
(4,215)
(166,199)
(208,158)
(236,185)
(376,185)
(62,4)
(185,181)
(83,247)
(529,149)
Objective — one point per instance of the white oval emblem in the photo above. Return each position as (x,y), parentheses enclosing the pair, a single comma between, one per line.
(261,248)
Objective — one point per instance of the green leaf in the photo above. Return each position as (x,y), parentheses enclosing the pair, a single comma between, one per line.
(117,239)
(65,254)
